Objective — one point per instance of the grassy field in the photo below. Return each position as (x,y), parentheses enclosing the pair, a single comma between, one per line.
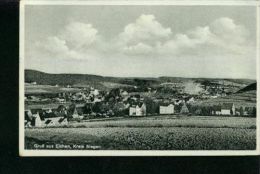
(41,89)
(160,133)
(245,99)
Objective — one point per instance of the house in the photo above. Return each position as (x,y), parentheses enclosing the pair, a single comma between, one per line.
(73,113)
(55,118)
(55,121)
(141,109)
(47,110)
(97,99)
(228,109)
(166,109)
(63,121)
(132,110)
(28,117)
(216,110)
(37,122)
(191,100)
(48,122)
(224,109)
(124,93)
(41,118)
(60,100)
(38,117)
(95,92)
(138,110)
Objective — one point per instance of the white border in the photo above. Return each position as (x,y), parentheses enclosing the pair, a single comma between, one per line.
(23,152)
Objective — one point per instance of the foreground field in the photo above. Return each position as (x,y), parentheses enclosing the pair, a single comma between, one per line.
(160,133)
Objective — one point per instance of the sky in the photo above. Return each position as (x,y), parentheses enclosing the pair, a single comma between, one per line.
(142,41)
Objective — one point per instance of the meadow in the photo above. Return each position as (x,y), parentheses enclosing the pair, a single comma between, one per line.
(153,133)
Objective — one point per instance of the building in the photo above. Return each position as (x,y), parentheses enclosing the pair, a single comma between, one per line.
(73,113)
(138,110)
(37,120)
(166,109)
(124,93)
(132,110)
(228,109)
(55,121)
(28,117)
(224,109)
(33,118)
(216,110)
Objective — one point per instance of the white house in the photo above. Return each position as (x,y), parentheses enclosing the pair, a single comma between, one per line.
(169,109)
(224,109)
(138,110)
(37,120)
(132,110)
(55,121)
(228,109)
(124,93)
(34,118)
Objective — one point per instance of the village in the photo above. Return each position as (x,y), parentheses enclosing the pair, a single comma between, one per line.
(81,104)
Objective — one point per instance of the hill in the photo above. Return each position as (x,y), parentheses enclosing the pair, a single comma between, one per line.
(251,87)
(60,79)
(244,97)
(103,82)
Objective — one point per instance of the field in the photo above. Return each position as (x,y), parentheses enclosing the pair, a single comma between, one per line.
(157,133)
(43,89)
(244,99)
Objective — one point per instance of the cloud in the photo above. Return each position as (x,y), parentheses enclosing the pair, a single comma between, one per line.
(138,49)
(57,48)
(74,41)
(54,45)
(222,36)
(77,34)
(146,36)
(145,28)
(220,48)
(226,29)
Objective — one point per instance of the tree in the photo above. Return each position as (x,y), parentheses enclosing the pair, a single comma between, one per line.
(151,106)
(97,107)
(254,112)
(184,109)
(88,108)
(198,111)
(206,83)
(119,109)
(241,110)
(104,108)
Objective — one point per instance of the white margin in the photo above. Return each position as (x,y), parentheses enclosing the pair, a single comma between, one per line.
(257,74)
(24,152)
(21,78)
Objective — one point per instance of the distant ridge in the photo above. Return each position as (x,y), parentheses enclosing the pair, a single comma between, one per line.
(251,87)
(61,79)
(102,82)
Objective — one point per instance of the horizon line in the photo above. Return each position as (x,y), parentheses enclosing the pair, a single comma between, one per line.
(143,76)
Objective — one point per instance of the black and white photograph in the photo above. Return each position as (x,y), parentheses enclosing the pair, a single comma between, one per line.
(99,79)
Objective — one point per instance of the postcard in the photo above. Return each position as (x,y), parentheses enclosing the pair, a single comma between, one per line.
(139,78)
